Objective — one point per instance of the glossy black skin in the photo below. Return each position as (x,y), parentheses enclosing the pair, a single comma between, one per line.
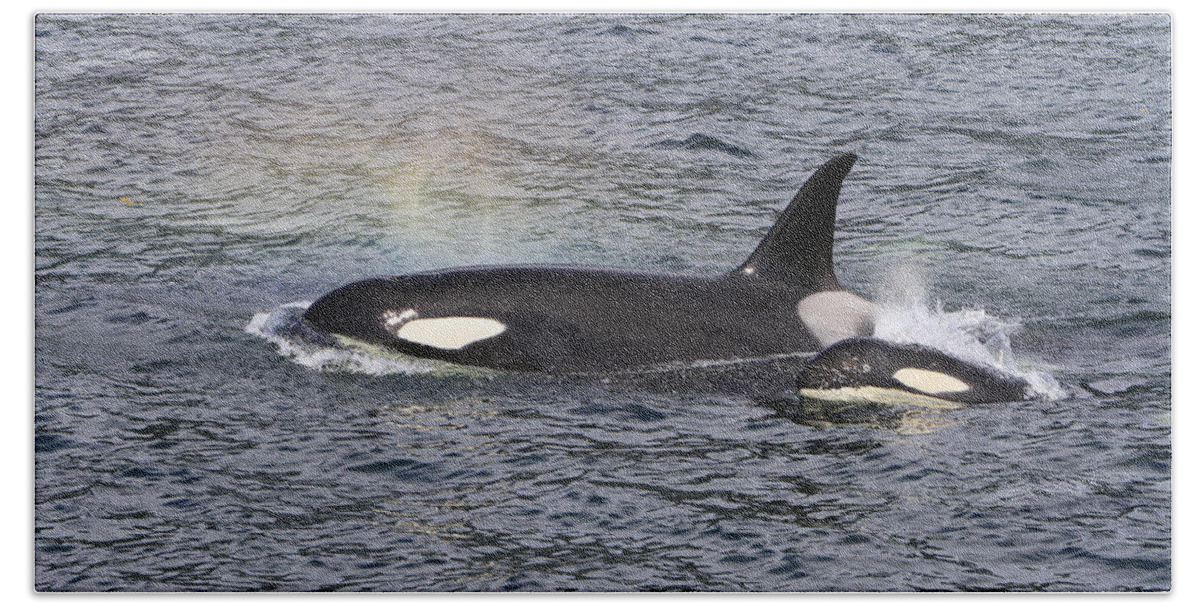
(568,319)
(859,362)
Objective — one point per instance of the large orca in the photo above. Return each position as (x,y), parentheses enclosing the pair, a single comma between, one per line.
(870,369)
(784,299)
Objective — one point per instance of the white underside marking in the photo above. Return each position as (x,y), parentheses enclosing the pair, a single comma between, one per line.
(928,381)
(876,394)
(833,316)
(449,333)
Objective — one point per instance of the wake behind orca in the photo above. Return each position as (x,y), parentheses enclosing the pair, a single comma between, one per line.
(783,300)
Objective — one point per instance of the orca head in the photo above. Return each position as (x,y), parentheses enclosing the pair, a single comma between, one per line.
(870,369)
(355,310)
(375,311)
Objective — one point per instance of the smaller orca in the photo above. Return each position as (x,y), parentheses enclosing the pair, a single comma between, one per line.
(870,369)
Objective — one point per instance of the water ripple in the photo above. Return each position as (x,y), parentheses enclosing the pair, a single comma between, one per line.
(195,171)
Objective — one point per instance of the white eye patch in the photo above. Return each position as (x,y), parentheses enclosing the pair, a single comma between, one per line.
(448,333)
(928,381)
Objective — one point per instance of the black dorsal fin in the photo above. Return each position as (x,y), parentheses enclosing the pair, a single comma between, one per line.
(798,250)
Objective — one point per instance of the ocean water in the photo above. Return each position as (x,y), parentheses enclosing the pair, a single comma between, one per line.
(199,178)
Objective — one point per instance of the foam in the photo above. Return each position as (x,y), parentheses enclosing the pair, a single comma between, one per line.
(279,327)
(904,314)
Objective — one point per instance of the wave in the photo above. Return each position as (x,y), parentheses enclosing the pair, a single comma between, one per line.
(906,314)
(285,328)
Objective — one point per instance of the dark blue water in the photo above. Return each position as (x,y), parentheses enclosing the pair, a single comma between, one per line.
(196,174)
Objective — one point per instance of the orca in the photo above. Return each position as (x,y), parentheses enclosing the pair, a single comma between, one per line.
(784,299)
(875,370)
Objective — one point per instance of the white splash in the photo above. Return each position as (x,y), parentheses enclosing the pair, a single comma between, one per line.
(281,326)
(904,314)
